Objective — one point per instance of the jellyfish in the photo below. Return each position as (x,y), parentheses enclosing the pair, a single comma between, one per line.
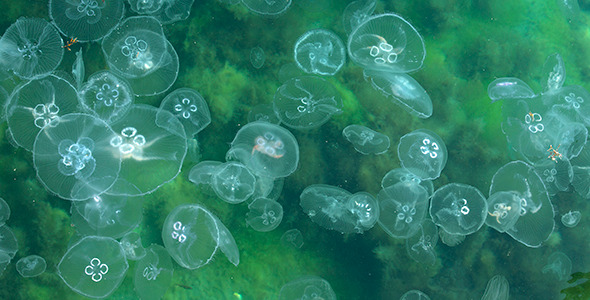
(458,208)
(365,208)
(107,96)
(31,266)
(73,157)
(86,20)
(356,13)
(143,145)
(402,208)
(171,11)
(571,103)
(94,266)
(320,52)
(403,175)
(388,43)
(8,243)
(366,140)
(227,243)
(201,173)
(503,210)
(188,106)
(449,239)
(420,246)
(423,153)
(497,289)
(4,212)
(509,88)
(153,273)
(535,223)
(553,75)
(403,90)
(571,218)
(264,215)
(307,287)
(145,7)
(263,112)
(557,174)
(131,243)
(306,102)
(233,182)
(414,295)
(34,104)
(267,8)
(4,100)
(78,69)
(266,149)
(559,266)
(31,48)
(257,57)
(292,238)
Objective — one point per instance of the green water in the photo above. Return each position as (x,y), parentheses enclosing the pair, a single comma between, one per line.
(468,44)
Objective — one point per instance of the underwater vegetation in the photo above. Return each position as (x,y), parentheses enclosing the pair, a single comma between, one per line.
(294,149)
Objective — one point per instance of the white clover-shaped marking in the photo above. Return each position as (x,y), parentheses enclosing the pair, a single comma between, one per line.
(533,120)
(28,50)
(178,233)
(76,158)
(108,94)
(129,142)
(96,269)
(406,214)
(573,100)
(151,272)
(269,145)
(383,52)
(185,108)
(87,7)
(45,113)
(429,148)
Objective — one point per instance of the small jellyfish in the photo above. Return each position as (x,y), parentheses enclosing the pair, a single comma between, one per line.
(4,212)
(264,215)
(402,208)
(403,175)
(201,173)
(86,20)
(106,96)
(356,13)
(366,140)
(94,266)
(78,70)
(8,243)
(450,240)
(262,112)
(307,287)
(188,106)
(364,207)
(420,246)
(571,218)
(320,52)
(233,182)
(403,90)
(267,8)
(31,266)
(553,74)
(153,273)
(414,295)
(131,243)
(386,42)
(571,102)
(423,153)
(145,7)
(509,88)
(497,288)
(458,208)
(257,57)
(306,102)
(31,48)
(503,210)
(292,238)
(559,266)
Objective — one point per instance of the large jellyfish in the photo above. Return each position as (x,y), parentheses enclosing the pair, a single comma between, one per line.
(86,20)
(320,51)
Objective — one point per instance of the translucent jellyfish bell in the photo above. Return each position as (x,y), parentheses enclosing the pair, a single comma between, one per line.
(423,153)
(153,273)
(188,106)
(4,212)
(73,157)
(319,51)
(366,208)
(293,238)
(306,102)
(553,75)
(257,57)
(403,175)
(307,287)
(572,102)
(386,42)
(86,20)
(145,7)
(267,8)
(8,244)
(414,295)
(571,218)
(266,149)
(233,182)
(559,266)
(264,215)
(403,91)
(31,47)
(31,266)
(458,208)
(420,246)
(557,174)
(131,243)
(106,96)
(509,88)
(94,266)
(497,289)
(402,208)
(356,13)
(366,140)
(503,210)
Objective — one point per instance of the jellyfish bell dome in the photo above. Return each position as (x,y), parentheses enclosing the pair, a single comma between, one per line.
(86,20)
(423,153)
(233,182)
(267,8)
(189,107)
(264,215)
(458,208)
(31,266)
(553,74)
(106,96)
(73,157)
(153,273)
(402,208)
(320,51)
(509,88)
(366,140)
(356,13)
(31,47)
(503,210)
(403,175)
(266,149)
(386,42)
(307,287)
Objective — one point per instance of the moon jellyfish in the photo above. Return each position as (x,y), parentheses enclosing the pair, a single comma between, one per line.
(31,47)
(73,157)
(403,175)
(34,104)
(257,57)
(107,215)
(267,8)
(78,69)
(8,243)
(553,75)
(403,90)
(402,208)
(307,287)
(557,174)
(458,208)
(268,150)
(106,96)
(449,239)
(571,102)
(503,210)
(414,295)
(4,212)
(153,273)
(319,51)
(571,218)
(143,145)
(423,153)
(366,140)
(497,289)
(173,10)
(420,246)
(4,101)
(535,223)
(264,215)
(227,243)
(131,243)
(386,42)
(306,102)
(31,266)
(233,182)
(364,207)
(86,20)
(509,88)
(145,7)
(293,238)
(263,112)
(356,13)
(188,106)
(94,266)
(559,266)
